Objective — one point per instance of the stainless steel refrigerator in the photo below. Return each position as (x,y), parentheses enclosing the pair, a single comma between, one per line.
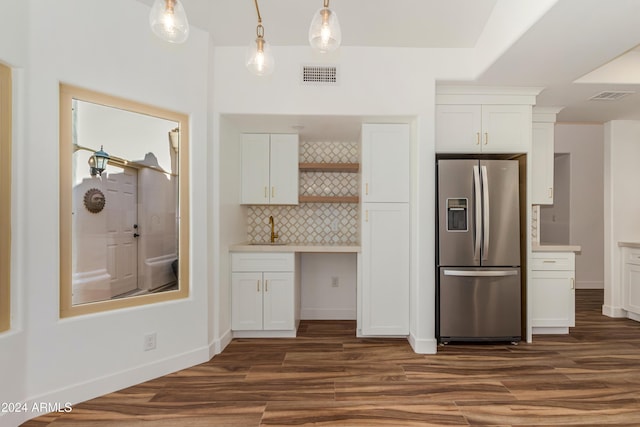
(479,289)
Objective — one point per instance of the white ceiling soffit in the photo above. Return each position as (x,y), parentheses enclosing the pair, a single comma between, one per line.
(624,69)
(383,23)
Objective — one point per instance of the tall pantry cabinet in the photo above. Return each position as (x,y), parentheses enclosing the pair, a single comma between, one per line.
(385,229)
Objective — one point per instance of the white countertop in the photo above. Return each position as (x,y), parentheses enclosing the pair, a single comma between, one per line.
(629,244)
(555,248)
(294,247)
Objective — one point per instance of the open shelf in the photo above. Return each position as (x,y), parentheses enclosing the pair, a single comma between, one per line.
(328,199)
(329,167)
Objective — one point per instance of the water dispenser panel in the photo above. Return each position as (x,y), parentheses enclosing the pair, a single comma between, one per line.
(457,215)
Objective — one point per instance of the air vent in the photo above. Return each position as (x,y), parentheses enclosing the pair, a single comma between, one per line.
(610,95)
(320,75)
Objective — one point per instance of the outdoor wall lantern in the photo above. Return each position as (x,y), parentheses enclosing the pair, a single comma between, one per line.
(98,162)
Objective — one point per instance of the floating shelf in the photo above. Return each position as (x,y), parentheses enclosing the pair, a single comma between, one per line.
(328,199)
(329,167)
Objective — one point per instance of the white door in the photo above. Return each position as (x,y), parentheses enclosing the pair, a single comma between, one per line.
(255,168)
(122,219)
(386,163)
(552,298)
(458,129)
(542,163)
(385,269)
(506,128)
(284,169)
(278,301)
(246,301)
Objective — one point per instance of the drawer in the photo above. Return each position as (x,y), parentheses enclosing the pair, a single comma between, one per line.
(262,261)
(632,256)
(553,261)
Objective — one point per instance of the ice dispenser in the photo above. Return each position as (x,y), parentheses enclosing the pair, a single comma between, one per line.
(457,214)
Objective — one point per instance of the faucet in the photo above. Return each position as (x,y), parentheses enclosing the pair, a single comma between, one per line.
(274,235)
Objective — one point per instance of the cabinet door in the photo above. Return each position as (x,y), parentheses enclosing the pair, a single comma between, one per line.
(542,163)
(385,269)
(386,162)
(506,128)
(284,169)
(246,301)
(458,128)
(553,298)
(255,169)
(631,283)
(278,301)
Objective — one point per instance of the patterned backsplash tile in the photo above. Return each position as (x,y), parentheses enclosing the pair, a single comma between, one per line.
(324,223)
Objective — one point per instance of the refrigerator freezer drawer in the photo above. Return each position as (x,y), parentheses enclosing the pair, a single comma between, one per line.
(479,304)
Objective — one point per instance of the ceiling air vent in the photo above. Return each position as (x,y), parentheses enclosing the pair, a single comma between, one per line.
(320,75)
(610,95)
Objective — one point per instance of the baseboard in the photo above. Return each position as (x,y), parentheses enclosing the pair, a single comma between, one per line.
(327,314)
(633,316)
(422,346)
(610,311)
(91,389)
(585,284)
(547,330)
(216,346)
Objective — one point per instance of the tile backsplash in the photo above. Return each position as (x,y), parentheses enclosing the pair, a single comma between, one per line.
(335,223)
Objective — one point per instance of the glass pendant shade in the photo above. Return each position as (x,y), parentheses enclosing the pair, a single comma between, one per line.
(324,32)
(259,59)
(168,21)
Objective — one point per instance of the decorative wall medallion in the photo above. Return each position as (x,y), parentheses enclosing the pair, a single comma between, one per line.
(94,200)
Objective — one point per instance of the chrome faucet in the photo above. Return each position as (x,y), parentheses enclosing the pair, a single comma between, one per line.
(274,235)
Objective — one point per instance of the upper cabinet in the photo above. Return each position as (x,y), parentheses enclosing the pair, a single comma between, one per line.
(475,120)
(483,128)
(542,155)
(385,163)
(269,169)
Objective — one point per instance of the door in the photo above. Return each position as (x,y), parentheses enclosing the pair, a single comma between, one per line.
(458,128)
(255,168)
(284,169)
(500,212)
(506,128)
(122,218)
(479,304)
(246,301)
(459,213)
(386,163)
(385,269)
(278,303)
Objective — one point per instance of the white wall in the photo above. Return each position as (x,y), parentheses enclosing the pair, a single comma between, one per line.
(107,47)
(585,144)
(13,343)
(320,299)
(374,82)
(621,204)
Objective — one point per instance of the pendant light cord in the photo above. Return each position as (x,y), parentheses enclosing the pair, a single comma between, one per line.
(259,28)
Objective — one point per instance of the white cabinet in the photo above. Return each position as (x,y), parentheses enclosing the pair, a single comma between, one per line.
(483,128)
(264,294)
(552,302)
(542,162)
(384,304)
(385,269)
(386,151)
(631,281)
(270,169)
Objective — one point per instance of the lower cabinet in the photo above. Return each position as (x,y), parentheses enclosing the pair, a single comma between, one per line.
(264,294)
(385,269)
(552,292)
(631,282)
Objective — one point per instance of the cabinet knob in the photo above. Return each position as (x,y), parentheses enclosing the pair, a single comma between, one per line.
(266,286)
(258,286)
(550,192)
(573,283)
(273,192)
(477,138)
(366,189)
(486,138)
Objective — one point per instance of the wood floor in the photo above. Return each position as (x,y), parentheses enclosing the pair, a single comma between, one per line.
(326,376)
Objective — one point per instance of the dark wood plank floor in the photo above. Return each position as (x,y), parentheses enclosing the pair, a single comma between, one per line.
(326,376)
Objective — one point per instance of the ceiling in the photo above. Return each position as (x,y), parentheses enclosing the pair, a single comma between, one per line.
(561,52)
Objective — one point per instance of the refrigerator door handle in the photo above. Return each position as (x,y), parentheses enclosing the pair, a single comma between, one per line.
(485,219)
(481,273)
(478,221)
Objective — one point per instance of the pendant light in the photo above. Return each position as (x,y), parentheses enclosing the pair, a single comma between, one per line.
(168,21)
(259,59)
(324,32)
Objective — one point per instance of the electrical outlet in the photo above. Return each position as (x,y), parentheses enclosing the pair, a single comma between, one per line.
(335,281)
(149,342)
